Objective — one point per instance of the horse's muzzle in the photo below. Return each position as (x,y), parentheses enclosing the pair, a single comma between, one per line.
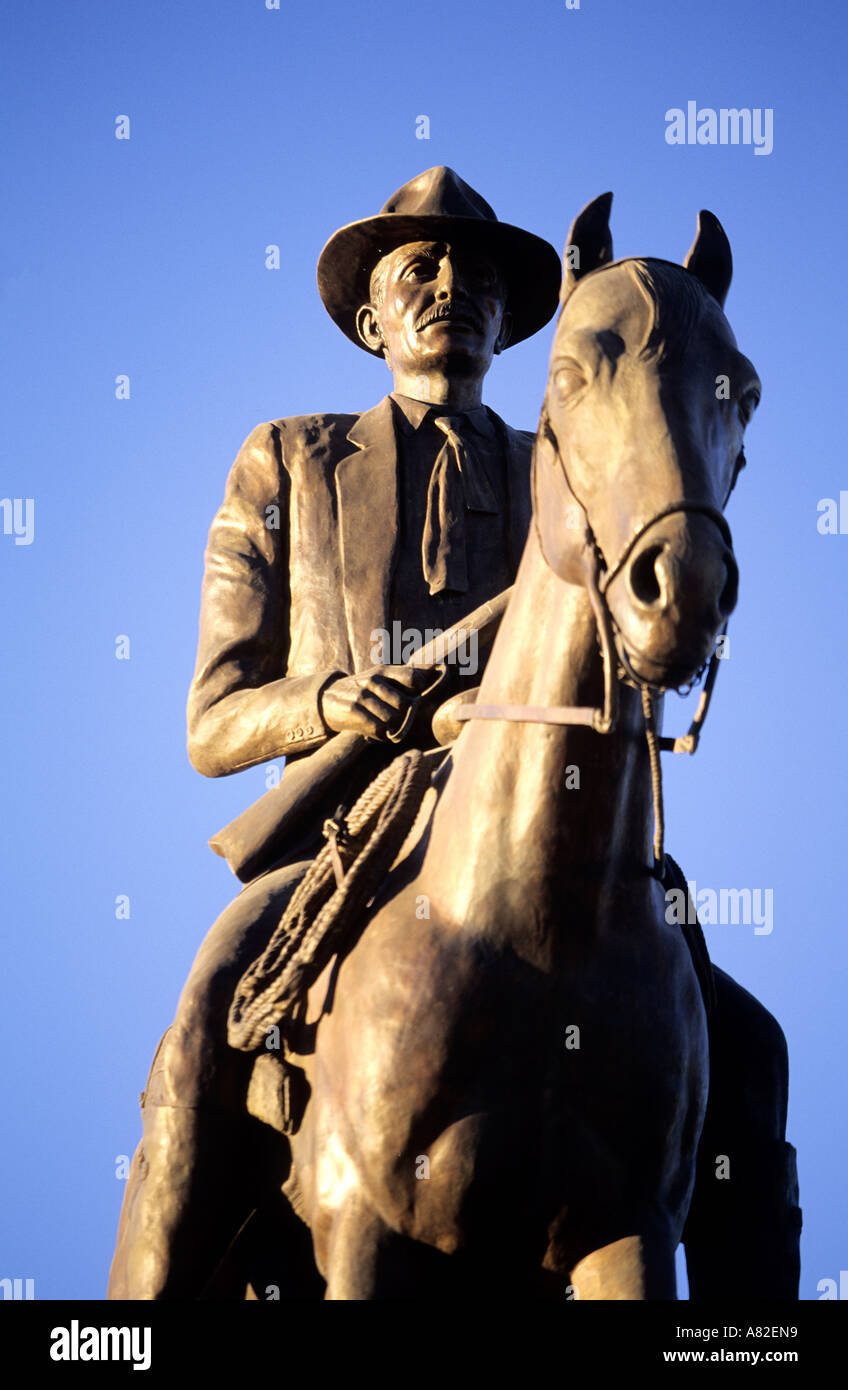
(673,596)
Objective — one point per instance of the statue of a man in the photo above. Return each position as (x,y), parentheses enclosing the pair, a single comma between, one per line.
(334,528)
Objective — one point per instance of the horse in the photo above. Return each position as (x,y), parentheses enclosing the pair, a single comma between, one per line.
(508,1067)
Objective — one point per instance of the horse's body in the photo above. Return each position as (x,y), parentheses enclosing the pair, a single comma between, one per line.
(448,1037)
(510,1068)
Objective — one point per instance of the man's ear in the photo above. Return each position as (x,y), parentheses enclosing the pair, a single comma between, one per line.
(368,328)
(504,332)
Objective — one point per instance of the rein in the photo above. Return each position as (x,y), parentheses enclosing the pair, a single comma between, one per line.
(616,666)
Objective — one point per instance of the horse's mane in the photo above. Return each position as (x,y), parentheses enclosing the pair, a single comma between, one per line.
(678,300)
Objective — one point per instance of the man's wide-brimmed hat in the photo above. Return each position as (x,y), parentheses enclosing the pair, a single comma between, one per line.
(439,205)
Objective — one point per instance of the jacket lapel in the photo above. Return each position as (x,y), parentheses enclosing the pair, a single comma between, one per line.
(367,490)
(519,448)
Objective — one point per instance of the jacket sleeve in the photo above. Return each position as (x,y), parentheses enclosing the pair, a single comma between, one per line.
(241,709)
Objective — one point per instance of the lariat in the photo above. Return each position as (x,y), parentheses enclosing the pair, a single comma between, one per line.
(653,741)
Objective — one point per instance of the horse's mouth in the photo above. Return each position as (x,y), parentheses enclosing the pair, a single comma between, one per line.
(664,672)
(672,599)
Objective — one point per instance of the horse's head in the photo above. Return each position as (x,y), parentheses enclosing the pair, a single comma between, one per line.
(640,443)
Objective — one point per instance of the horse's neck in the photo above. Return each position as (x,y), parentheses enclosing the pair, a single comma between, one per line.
(533,811)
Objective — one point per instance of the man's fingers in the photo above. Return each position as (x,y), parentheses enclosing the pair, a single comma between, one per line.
(368,725)
(412,678)
(386,709)
(390,692)
(375,702)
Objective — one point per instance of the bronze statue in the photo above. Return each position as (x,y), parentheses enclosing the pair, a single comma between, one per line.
(334,528)
(517,1068)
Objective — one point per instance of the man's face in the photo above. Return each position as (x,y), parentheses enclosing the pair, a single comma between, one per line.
(441,306)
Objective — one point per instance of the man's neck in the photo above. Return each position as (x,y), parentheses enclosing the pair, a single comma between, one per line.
(451,395)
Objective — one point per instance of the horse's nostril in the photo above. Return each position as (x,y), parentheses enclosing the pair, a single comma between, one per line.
(644,583)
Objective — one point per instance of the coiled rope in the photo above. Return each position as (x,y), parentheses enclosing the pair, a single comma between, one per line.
(337,887)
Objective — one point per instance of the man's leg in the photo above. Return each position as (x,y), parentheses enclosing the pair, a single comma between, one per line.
(203,1163)
(743,1232)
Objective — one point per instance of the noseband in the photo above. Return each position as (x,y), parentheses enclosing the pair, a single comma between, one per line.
(616,665)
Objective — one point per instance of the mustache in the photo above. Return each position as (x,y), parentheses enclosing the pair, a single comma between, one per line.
(450,309)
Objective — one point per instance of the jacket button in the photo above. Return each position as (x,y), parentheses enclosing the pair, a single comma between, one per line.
(299,733)
(289,735)
(309,729)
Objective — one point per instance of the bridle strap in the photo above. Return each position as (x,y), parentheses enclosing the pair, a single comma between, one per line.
(649,715)
(688,742)
(699,508)
(603,721)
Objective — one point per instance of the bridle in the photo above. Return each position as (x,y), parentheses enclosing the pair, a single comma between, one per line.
(598,575)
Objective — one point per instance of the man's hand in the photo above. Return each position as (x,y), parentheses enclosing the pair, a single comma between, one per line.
(374,702)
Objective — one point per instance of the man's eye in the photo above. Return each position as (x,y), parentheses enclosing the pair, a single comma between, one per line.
(419,270)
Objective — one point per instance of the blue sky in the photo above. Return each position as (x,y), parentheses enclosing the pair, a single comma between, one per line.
(146,257)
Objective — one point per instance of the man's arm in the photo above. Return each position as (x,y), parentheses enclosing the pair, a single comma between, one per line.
(241,709)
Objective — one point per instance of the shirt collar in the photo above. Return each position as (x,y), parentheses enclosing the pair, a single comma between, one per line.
(412,414)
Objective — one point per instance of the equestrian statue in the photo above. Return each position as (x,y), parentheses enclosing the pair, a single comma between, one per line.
(453,1034)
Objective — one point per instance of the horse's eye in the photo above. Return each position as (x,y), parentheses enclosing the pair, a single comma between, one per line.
(569,378)
(748,404)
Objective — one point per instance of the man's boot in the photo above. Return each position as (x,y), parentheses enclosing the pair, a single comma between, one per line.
(204,1163)
(195,1179)
(742,1237)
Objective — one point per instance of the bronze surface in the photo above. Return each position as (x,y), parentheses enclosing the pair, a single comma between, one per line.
(451,1140)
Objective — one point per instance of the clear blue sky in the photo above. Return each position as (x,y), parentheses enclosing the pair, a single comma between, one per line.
(146,257)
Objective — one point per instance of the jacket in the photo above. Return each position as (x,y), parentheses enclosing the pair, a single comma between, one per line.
(298,573)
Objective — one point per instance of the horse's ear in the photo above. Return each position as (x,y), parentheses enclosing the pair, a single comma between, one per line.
(709,257)
(589,243)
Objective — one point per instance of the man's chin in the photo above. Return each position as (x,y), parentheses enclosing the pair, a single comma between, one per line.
(454,357)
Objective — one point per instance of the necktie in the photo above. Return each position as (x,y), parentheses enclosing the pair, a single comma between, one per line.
(457,483)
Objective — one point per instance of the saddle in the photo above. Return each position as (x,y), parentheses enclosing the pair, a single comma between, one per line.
(323,913)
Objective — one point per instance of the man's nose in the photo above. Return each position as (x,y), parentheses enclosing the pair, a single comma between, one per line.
(449,280)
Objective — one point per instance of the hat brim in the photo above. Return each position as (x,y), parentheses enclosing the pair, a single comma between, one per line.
(530,265)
